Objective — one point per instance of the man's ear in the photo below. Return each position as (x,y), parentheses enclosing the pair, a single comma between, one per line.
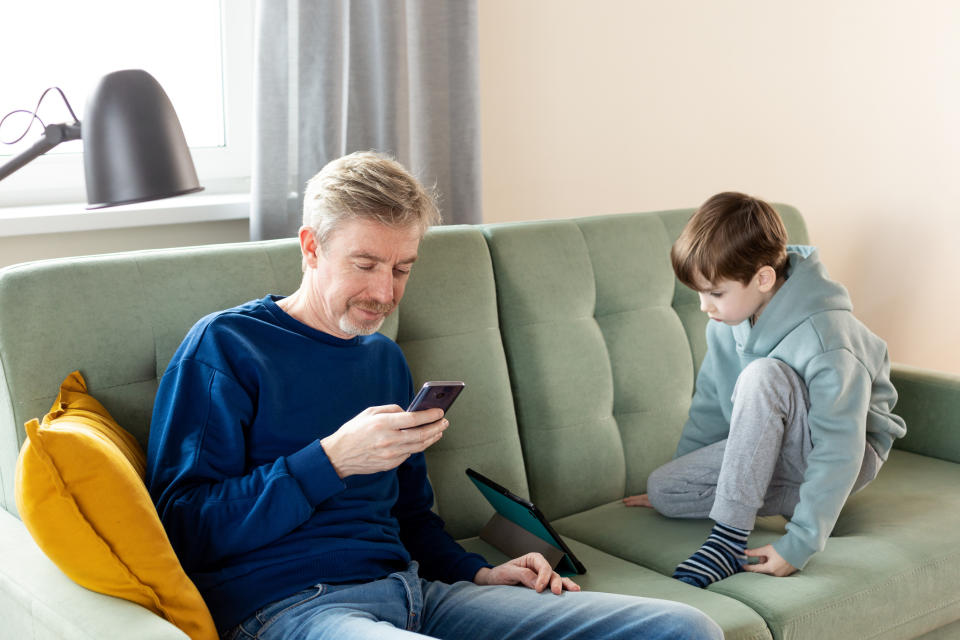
(766,278)
(309,247)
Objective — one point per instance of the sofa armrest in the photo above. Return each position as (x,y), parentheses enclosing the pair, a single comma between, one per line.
(930,404)
(39,601)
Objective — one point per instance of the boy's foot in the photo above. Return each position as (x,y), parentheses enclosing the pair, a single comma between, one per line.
(721,556)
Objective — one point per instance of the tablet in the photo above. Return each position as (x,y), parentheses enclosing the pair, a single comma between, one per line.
(526,514)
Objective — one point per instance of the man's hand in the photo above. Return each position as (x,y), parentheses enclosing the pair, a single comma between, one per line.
(381,438)
(771,562)
(531,570)
(642,500)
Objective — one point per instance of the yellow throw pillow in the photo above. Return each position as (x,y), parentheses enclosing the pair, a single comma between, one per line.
(81,495)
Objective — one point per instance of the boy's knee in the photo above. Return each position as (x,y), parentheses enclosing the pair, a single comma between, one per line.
(765,371)
(768,374)
(659,485)
(655,487)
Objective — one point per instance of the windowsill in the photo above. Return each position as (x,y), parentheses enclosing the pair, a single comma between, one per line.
(60,218)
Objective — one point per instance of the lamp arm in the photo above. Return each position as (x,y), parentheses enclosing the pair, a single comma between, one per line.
(53,135)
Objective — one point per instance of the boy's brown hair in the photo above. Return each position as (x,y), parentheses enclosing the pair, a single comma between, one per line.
(730,237)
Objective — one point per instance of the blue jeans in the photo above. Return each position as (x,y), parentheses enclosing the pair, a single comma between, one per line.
(404,606)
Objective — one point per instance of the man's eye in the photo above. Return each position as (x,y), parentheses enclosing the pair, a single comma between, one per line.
(365,267)
(716,294)
(402,272)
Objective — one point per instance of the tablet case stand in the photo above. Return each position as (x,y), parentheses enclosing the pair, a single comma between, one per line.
(514,541)
(520,528)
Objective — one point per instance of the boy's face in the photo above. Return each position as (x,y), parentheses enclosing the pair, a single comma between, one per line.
(730,301)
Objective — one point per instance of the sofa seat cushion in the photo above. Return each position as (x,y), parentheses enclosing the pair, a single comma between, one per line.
(608,573)
(882,574)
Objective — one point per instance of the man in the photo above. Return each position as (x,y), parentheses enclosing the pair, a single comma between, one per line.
(293,485)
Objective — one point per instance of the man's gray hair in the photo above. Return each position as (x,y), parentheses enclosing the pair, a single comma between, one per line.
(370,186)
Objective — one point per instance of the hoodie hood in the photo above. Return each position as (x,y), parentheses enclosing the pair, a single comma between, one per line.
(806,292)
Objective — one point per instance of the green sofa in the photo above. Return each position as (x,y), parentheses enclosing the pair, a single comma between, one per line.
(579,350)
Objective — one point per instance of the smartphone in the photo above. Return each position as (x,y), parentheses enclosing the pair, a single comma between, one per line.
(436,395)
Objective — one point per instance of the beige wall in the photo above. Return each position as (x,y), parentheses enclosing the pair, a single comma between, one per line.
(848,110)
(15,249)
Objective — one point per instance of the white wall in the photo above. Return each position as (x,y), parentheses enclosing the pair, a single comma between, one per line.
(848,110)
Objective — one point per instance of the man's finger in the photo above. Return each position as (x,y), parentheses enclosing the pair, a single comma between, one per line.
(385,408)
(425,437)
(570,585)
(426,416)
(408,420)
(526,577)
(556,584)
(544,571)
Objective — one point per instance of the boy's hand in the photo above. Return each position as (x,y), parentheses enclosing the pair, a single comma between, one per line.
(642,500)
(770,563)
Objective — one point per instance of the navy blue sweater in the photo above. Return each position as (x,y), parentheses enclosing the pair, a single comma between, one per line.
(248,497)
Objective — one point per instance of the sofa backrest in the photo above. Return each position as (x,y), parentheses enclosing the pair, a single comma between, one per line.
(118,319)
(602,344)
(448,330)
(600,289)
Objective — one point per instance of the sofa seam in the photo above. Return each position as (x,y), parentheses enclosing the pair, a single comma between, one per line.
(16,434)
(653,307)
(33,601)
(153,329)
(534,323)
(851,598)
(942,606)
(572,425)
(452,335)
(937,384)
(115,386)
(472,445)
(658,409)
(273,267)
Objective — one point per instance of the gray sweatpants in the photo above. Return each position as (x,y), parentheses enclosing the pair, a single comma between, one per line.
(759,468)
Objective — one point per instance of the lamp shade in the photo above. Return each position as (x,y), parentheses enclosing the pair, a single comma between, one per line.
(133,146)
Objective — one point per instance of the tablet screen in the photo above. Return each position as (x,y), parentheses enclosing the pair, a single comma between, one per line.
(525,514)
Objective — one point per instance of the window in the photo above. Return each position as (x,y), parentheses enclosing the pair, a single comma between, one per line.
(200,51)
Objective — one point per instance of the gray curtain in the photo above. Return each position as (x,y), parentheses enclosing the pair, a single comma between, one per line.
(336,76)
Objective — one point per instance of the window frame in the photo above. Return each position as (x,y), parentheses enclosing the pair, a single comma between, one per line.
(58,179)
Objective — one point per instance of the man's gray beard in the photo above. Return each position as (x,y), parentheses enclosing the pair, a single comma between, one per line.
(353,330)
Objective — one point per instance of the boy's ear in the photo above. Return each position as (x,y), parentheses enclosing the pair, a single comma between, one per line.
(766,278)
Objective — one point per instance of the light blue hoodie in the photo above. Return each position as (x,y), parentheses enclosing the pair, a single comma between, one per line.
(809,325)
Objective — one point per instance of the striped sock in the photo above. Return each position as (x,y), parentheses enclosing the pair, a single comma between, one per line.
(721,556)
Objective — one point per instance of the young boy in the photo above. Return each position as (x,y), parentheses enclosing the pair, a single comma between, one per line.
(792,409)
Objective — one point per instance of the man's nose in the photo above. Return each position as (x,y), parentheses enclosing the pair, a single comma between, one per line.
(381,289)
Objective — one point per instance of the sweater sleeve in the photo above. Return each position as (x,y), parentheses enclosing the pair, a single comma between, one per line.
(706,423)
(422,531)
(839,387)
(211,505)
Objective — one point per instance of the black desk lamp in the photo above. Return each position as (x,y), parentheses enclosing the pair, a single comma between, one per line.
(133,145)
